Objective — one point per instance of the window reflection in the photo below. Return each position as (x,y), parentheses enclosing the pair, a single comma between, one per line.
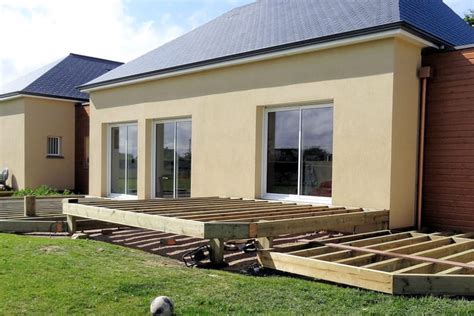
(301,141)
(316,144)
(173,159)
(123,160)
(282,153)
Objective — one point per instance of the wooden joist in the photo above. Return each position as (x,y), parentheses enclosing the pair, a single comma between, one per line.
(220,219)
(399,263)
(225,218)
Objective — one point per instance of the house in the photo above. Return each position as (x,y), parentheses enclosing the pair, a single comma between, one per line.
(42,124)
(292,100)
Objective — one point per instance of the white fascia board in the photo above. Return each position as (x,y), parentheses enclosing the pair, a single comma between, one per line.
(17,96)
(399,33)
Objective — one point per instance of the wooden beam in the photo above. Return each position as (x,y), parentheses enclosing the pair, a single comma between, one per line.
(150,206)
(32,226)
(153,222)
(304,244)
(225,230)
(111,201)
(217,250)
(349,256)
(399,255)
(433,268)
(289,215)
(232,209)
(71,224)
(329,222)
(329,271)
(265,242)
(244,212)
(394,264)
(318,248)
(457,270)
(29,207)
(409,284)
(366,259)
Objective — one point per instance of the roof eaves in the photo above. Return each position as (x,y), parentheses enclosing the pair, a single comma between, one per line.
(40,95)
(321,40)
(425,35)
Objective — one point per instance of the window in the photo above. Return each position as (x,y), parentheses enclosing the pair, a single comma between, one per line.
(298,153)
(172,176)
(123,160)
(54,146)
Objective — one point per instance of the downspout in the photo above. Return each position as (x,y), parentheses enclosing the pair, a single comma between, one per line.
(424,74)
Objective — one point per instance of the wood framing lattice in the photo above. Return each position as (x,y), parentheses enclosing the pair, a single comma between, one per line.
(396,263)
(226,218)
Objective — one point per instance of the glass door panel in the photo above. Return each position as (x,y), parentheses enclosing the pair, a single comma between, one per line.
(299,152)
(165,152)
(282,152)
(316,148)
(183,159)
(117,159)
(132,160)
(173,159)
(123,160)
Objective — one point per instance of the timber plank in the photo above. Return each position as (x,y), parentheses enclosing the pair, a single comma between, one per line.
(354,276)
(153,222)
(329,222)
(407,284)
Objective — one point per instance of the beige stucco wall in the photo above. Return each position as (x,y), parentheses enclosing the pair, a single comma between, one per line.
(45,118)
(227,105)
(12,140)
(405,126)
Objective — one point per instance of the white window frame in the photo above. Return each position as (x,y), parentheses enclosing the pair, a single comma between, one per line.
(289,197)
(153,147)
(117,196)
(59,146)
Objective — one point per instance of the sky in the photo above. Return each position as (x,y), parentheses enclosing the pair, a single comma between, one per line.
(37,32)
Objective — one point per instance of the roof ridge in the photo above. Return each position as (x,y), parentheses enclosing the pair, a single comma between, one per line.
(95,58)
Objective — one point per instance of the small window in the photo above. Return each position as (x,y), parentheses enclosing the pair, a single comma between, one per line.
(54,146)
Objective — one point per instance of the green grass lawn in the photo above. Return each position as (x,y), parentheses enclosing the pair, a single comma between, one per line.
(63,276)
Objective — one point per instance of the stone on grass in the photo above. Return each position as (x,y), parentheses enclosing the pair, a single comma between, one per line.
(80,236)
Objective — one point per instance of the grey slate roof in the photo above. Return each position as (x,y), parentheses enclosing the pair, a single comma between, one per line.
(60,78)
(278,24)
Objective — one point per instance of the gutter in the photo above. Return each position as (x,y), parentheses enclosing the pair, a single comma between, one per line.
(424,75)
(464,47)
(399,29)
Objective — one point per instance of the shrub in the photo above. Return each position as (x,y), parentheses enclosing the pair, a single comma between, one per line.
(43,190)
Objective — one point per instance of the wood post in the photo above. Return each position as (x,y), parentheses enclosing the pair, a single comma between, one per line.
(71,220)
(217,250)
(29,208)
(265,242)
(71,224)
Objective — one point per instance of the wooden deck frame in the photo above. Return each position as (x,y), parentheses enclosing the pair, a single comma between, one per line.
(220,219)
(408,263)
(27,217)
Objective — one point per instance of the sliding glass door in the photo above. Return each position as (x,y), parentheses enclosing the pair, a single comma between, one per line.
(173,159)
(298,153)
(123,160)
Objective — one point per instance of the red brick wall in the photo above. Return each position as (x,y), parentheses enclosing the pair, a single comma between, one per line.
(448,186)
(82,150)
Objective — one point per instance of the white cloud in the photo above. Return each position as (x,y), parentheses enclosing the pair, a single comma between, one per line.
(35,33)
